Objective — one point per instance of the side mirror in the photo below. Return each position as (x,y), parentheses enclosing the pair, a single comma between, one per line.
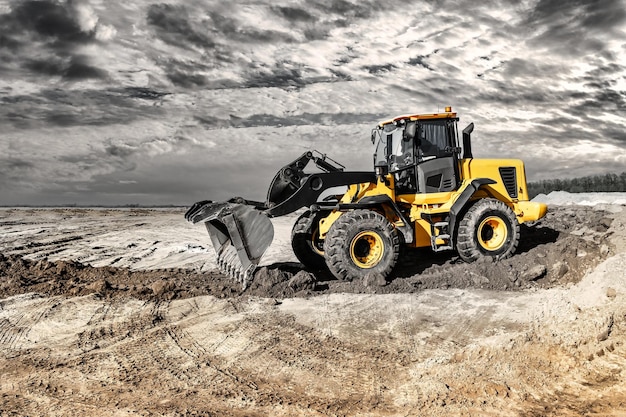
(373,137)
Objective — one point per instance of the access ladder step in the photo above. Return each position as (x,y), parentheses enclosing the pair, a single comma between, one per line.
(445,236)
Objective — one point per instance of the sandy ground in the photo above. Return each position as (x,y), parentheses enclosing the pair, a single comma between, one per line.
(119,312)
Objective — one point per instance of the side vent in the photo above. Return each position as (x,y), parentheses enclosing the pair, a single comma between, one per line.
(434,181)
(509,179)
(448,184)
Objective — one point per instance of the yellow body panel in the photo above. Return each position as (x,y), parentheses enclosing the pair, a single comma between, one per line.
(422,234)
(489,168)
(528,211)
(441,203)
(355,193)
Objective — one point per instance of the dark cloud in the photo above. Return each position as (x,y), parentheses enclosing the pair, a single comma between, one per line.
(287,76)
(179,26)
(145,93)
(119,151)
(601,100)
(52,66)
(211,122)
(317,19)
(340,75)
(8,42)
(348,10)
(419,61)
(575,27)
(234,30)
(349,55)
(317,32)
(611,69)
(295,14)
(55,118)
(75,68)
(187,79)
(263,119)
(65,108)
(282,79)
(379,69)
(601,91)
(186,74)
(174,26)
(79,68)
(51,31)
(515,96)
(252,35)
(49,20)
(217,35)
(11,164)
(590,14)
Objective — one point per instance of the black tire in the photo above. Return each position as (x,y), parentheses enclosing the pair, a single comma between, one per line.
(360,242)
(488,228)
(305,242)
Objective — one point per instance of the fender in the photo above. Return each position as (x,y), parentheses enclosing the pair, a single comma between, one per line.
(372,201)
(464,198)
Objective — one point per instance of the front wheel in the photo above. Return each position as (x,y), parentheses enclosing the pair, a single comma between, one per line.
(306,242)
(489,228)
(361,242)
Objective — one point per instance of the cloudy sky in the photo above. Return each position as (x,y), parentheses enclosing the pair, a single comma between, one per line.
(138,102)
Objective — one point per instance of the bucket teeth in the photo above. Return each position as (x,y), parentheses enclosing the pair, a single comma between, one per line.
(229,264)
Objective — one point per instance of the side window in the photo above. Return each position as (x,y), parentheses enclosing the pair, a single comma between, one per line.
(434,140)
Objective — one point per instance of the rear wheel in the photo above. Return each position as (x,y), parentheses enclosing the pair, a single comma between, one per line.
(489,228)
(361,242)
(305,240)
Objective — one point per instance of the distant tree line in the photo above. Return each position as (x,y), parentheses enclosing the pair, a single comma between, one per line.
(590,184)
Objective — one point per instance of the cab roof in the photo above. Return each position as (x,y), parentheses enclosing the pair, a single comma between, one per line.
(448,114)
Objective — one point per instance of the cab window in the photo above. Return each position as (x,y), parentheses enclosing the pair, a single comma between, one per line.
(434,140)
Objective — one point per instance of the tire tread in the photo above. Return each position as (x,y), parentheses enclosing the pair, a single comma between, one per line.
(465,243)
(335,245)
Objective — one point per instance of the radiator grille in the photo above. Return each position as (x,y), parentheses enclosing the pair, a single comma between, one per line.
(509,179)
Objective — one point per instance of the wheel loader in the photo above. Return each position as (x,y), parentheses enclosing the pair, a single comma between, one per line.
(425,190)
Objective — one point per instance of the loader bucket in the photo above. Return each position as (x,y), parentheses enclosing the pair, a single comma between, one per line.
(240,235)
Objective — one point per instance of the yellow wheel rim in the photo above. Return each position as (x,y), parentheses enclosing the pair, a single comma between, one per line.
(366,249)
(492,233)
(315,241)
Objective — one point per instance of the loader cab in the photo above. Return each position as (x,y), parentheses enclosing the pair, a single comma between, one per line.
(420,151)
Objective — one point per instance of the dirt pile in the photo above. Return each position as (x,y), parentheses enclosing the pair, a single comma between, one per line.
(559,249)
(70,278)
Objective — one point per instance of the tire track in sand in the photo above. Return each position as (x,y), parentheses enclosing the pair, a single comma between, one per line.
(15,325)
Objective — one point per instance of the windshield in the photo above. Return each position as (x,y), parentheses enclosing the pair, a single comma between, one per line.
(401,151)
(393,149)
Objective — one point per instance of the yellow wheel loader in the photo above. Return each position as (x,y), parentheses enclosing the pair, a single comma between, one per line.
(426,190)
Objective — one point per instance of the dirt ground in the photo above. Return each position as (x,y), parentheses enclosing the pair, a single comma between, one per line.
(120,312)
